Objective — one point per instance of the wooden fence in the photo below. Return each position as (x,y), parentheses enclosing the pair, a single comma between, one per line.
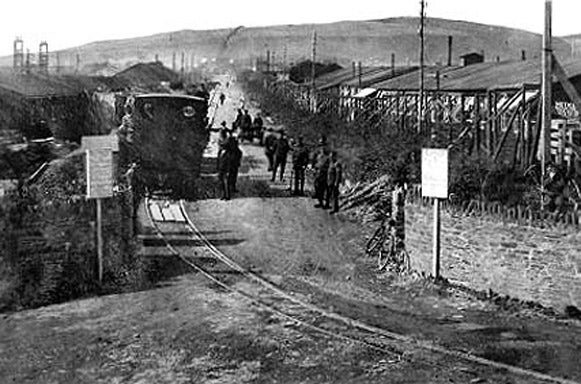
(496,211)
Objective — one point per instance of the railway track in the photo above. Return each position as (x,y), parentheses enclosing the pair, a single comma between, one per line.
(166,217)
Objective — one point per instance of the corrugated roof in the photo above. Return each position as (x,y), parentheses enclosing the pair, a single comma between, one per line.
(336,78)
(477,77)
(371,78)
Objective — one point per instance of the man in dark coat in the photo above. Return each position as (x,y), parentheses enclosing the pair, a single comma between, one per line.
(236,160)
(229,162)
(246,126)
(334,179)
(257,127)
(300,162)
(281,150)
(222,140)
(320,163)
(224,166)
(238,121)
(269,144)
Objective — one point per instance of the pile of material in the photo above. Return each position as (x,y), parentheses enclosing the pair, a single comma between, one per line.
(369,201)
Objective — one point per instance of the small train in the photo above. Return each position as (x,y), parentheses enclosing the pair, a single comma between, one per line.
(163,136)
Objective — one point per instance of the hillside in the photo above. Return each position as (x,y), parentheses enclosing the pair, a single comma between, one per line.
(371,42)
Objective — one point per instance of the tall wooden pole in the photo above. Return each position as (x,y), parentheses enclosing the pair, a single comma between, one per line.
(313,61)
(547,64)
(421,95)
(436,240)
(99,241)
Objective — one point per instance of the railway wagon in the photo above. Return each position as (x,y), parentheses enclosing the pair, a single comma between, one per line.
(165,136)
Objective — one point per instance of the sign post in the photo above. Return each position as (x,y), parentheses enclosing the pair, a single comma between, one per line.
(435,184)
(99,186)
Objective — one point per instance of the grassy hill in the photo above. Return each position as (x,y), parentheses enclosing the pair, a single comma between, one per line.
(371,42)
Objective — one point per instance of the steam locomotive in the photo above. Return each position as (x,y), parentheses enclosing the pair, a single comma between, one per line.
(164,137)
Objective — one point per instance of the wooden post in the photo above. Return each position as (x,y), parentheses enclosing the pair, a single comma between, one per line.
(313,59)
(99,241)
(421,94)
(450,41)
(359,74)
(393,64)
(436,239)
(476,122)
(545,139)
(313,72)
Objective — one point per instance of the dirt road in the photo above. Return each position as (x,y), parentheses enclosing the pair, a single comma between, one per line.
(191,330)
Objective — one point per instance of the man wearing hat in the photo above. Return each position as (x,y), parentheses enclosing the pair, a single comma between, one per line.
(300,162)
(222,140)
(320,163)
(334,179)
(281,150)
(269,144)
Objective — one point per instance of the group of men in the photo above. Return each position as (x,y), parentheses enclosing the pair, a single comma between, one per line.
(276,150)
(325,163)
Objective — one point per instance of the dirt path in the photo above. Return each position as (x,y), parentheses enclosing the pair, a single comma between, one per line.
(189,330)
(321,256)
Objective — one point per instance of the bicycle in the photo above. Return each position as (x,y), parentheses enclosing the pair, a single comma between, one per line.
(388,248)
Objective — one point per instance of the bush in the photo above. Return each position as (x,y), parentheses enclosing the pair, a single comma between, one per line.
(58,263)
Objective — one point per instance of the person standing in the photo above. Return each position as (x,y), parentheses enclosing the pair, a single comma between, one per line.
(222,139)
(238,121)
(321,171)
(246,126)
(269,144)
(235,161)
(224,166)
(300,161)
(320,163)
(257,127)
(281,150)
(222,98)
(334,179)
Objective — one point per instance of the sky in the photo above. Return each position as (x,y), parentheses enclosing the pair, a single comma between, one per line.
(68,23)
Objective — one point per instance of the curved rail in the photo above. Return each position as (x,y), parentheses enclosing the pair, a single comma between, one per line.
(352,323)
(258,302)
(369,328)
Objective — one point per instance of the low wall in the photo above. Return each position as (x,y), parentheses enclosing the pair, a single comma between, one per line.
(484,253)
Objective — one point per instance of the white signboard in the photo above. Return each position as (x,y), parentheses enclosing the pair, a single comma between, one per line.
(435,173)
(99,173)
(110,142)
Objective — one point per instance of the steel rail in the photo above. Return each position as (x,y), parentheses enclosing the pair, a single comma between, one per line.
(262,304)
(366,327)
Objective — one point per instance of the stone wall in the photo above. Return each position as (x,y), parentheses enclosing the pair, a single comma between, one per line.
(484,253)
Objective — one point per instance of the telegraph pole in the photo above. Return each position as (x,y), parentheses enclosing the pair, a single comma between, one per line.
(547,79)
(421,94)
(314,59)
(313,73)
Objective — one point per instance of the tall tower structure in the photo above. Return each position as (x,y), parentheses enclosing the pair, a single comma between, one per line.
(18,54)
(28,61)
(43,57)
